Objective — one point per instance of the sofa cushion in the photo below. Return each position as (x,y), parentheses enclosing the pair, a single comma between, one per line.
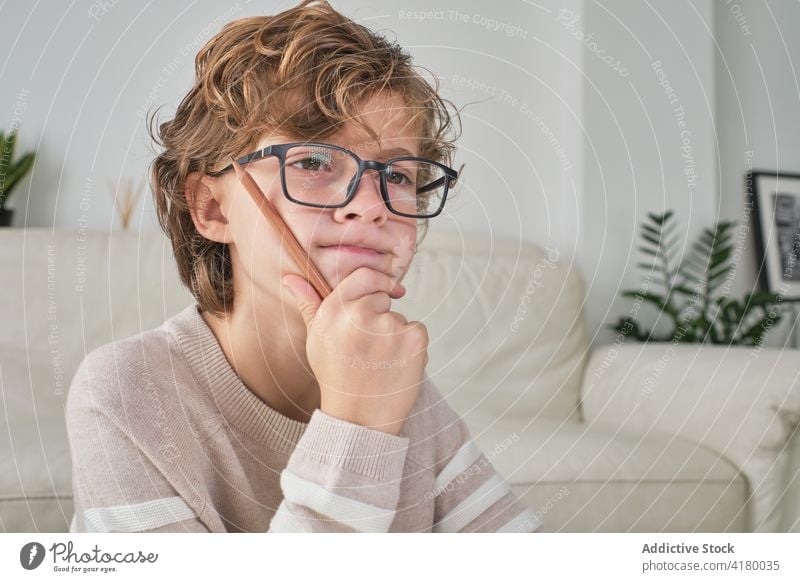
(579,478)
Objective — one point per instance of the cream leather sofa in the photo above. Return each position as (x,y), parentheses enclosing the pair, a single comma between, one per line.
(621,438)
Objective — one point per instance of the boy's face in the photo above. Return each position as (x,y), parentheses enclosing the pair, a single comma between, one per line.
(364,222)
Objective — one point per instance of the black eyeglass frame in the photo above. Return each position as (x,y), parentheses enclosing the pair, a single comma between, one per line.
(279,151)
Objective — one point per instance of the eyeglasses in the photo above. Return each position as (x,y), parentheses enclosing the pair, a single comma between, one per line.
(327,176)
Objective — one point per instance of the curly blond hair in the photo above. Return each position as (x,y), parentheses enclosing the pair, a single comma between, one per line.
(304,72)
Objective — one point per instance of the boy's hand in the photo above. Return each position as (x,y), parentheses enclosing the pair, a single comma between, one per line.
(369,361)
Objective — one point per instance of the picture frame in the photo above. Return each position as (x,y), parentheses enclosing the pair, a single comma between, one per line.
(775,198)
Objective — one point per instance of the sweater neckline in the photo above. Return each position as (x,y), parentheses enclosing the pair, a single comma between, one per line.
(238,405)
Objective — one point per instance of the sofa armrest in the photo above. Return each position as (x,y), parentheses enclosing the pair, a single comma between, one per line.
(743,403)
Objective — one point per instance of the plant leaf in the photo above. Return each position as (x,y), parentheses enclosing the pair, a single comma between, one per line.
(17,173)
(649,251)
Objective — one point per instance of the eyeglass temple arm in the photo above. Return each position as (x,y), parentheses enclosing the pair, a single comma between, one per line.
(435,184)
(267,151)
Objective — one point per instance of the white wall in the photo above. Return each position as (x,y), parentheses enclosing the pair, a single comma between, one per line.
(86,75)
(649,142)
(85,89)
(561,148)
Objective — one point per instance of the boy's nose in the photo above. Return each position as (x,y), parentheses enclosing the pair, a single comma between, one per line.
(367,202)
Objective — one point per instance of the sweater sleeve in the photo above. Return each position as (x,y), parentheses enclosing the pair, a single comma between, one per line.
(469,494)
(116,487)
(341,477)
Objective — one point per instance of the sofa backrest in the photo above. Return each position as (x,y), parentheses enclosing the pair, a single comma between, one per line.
(66,292)
(507,337)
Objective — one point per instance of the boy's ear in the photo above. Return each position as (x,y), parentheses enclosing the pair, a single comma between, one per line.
(204,195)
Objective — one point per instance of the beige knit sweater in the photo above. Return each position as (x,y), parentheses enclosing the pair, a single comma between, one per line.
(165,437)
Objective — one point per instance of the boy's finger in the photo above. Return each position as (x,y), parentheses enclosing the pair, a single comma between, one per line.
(365,281)
(305,295)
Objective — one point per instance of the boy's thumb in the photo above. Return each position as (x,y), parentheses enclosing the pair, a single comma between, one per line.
(305,295)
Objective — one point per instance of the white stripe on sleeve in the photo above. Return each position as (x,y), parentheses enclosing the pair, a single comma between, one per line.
(464,458)
(479,501)
(284,521)
(137,517)
(356,514)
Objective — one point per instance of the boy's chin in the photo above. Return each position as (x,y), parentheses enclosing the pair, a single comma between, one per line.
(339,273)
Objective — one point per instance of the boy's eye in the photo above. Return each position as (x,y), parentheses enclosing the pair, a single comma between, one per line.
(395,177)
(312,163)
(310,159)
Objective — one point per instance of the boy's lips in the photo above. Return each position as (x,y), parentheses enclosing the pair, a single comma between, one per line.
(357,246)
(354,249)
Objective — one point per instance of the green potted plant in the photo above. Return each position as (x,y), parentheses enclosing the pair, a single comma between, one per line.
(691,293)
(11,172)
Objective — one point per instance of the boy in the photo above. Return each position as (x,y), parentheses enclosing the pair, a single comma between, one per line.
(263,407)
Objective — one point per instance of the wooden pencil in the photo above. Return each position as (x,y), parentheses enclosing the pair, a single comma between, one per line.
(296,251)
